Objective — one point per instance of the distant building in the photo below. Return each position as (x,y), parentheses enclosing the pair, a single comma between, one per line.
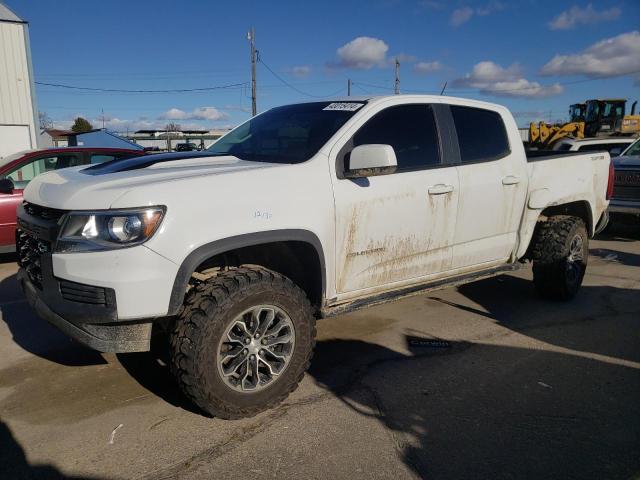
(164,140)
(18,111)
(53,137)
(100,138)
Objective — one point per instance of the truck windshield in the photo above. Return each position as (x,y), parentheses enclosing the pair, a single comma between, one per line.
(288,134)
(634,149)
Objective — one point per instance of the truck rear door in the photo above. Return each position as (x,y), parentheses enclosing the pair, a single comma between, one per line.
(493,188)
(395,228)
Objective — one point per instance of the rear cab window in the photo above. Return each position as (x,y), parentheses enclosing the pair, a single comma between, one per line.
(602,147)
(482,135)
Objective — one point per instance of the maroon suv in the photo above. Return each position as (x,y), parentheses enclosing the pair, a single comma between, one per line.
(18,169)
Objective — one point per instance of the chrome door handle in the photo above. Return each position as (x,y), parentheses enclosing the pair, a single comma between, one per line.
(510,180)
(440,189)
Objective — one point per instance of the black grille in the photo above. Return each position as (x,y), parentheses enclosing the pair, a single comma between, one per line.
(77,292)
(30,251)
(626,192)
(43,212)
(626,185)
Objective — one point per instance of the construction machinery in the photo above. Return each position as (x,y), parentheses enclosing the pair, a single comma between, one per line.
(594,118)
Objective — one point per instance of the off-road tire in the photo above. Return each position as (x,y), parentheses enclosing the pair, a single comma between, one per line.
(208,310)
(555,274)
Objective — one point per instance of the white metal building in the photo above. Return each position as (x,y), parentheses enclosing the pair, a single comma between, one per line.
(18,111)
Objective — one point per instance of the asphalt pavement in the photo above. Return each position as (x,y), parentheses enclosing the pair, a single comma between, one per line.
(483,381)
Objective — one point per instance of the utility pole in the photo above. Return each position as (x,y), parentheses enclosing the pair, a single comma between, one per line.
(251,35)
(102,118)
(348,87)
(397,83)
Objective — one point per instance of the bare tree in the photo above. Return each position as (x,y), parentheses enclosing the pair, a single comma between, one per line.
(44,121)
(171,128)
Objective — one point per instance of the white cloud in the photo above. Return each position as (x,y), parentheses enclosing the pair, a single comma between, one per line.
(199,113)
(461,15)
(576,16)
(607,58)
(492,79)
(490,8)
(405,58)
(362,53)
(301,71)
(432,4)
(427,67)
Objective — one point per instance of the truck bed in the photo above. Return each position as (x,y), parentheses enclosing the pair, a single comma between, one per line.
(539,155)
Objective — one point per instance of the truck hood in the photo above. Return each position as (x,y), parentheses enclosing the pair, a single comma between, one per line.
(98,187)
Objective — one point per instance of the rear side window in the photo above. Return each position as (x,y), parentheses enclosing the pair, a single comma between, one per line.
(481,134)
(410,130)
(565,147)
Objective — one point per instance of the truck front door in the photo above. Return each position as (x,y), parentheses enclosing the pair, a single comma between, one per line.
(394,229)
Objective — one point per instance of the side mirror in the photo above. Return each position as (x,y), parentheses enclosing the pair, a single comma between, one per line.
(614,152)
(371,160)
(6,186)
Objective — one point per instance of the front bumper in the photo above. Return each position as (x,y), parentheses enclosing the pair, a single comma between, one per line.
(624,206)
(106,300)
(94,326)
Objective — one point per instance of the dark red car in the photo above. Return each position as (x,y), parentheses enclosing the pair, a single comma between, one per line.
(18,169)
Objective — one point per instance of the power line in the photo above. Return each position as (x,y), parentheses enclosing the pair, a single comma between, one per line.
(291,86)
(371,85)
(122,90)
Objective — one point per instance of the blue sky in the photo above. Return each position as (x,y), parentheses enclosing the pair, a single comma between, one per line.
(536,57)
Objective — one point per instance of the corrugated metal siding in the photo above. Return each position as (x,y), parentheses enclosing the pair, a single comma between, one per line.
(15,86)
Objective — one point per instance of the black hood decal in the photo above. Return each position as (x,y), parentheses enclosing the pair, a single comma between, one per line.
(144,161)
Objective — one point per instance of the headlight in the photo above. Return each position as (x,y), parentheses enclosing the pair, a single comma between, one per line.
(107,229)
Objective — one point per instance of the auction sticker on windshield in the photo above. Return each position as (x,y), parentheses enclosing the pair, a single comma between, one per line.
(344,107)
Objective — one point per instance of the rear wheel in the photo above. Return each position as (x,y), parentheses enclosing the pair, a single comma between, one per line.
(242,341)
(560,257)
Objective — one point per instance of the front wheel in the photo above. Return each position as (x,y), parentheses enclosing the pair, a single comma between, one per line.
(242,342)
(560,257)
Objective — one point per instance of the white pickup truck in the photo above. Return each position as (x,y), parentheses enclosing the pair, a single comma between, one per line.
(305,211)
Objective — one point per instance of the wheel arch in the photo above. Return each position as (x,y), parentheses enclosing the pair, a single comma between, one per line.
(580,209)
(297,254)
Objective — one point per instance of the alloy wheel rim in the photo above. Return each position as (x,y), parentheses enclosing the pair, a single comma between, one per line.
(256,348)
(575,258)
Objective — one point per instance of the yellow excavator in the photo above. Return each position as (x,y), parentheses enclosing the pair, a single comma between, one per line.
(593,118)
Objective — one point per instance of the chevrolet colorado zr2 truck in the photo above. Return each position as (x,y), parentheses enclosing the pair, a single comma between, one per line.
(302,212)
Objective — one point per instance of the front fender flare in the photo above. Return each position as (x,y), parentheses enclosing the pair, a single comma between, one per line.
(206,251)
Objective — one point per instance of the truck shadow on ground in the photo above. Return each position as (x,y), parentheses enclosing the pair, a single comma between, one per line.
(494,412)
(15,466)
(477,410)
(624,258)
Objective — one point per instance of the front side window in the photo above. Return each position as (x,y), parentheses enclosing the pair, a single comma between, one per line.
(26,172)
(481,134)
(410,130)
(289,134)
